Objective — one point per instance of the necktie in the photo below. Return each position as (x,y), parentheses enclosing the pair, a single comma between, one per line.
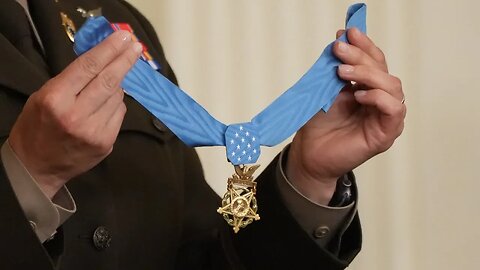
(315,91)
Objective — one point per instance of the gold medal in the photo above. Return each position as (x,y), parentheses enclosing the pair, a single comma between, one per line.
(239,205)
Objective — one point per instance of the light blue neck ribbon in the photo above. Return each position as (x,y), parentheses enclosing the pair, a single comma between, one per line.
(315,91)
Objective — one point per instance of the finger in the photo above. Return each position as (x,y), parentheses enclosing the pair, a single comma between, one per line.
(340,33)
(108,81)
(112,127)
(382,100)
(103,115)
(352,55)
(362,41)
(372,78)
(86,67)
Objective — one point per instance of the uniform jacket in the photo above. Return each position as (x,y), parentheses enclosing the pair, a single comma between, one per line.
(149,195)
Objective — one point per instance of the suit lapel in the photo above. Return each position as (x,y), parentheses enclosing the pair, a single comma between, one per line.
(17,70)
(58,48)
(18,73)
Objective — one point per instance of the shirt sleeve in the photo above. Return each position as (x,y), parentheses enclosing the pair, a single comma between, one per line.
(324,224)
(44,215)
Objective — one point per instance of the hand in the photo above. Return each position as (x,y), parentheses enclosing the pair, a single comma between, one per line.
(70,124)
(364,121)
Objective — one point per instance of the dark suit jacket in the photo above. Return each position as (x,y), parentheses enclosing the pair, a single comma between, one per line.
(150,193)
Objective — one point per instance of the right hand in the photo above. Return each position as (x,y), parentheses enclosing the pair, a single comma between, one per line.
(70,124)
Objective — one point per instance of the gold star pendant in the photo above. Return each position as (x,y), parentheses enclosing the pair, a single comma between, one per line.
(239,205)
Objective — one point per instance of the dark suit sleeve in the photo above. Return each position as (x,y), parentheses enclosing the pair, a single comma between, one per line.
(277,241)
(22,249)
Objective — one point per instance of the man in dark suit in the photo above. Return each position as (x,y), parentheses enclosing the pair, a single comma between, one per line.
(90,180)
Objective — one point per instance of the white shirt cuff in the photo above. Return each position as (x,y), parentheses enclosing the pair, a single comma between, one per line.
(44,215)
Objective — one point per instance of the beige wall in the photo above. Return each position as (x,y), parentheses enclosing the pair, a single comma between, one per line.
(419,202)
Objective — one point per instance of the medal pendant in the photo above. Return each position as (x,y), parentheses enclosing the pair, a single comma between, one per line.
(239,205)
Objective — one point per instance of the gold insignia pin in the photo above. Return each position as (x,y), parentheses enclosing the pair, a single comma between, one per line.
(68,26)
(239,205)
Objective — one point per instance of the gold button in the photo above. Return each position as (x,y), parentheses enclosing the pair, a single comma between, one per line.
(321,232)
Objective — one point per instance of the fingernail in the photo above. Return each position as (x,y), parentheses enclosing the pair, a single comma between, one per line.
(346,68)
(354,30)
(126,36)
(137,47)
(343,47)
(360,93)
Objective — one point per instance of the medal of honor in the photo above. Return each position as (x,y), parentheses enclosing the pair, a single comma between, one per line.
(315,91)
(239,205)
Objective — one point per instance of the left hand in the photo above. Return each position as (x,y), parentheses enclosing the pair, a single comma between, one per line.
(364,121)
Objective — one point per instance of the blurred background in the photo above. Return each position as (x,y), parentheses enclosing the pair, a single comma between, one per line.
(419,202)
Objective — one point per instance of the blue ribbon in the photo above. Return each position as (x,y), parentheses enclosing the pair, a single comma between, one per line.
(315,91)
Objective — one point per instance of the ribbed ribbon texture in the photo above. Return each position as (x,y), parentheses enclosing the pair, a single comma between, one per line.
(315,91)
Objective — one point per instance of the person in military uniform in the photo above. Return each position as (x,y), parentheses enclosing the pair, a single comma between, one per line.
(90,180)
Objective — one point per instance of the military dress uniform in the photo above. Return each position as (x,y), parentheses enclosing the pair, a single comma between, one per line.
(147,205)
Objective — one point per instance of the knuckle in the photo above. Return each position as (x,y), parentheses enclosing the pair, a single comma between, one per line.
(367,73)
(380,54)
(123,108)
(50,84)
(112,47)
(398,110)
(109,81)
(119,95)
(385,141)
(397,83)
(89,65)
(131,59)
(103,147)
(401,128)
(47,101)
(381,144)
(97,143)
(387,145)
(69,123)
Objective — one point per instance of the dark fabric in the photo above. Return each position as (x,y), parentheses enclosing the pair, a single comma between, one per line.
(150,193)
